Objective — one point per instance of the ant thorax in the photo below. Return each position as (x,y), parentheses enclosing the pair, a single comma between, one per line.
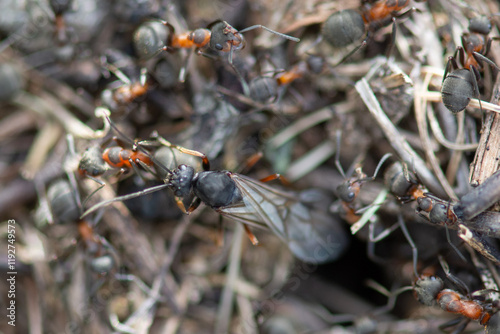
(216,188)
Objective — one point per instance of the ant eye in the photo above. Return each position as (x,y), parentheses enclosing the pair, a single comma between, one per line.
(219,46)
(350,196)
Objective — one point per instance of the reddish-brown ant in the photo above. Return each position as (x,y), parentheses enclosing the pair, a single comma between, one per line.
(429,290)
(125,91)
(219,36)
(345,27)
(151,38)
(95,161)
(264,89)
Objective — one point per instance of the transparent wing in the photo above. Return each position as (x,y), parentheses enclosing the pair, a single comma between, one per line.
(310,232)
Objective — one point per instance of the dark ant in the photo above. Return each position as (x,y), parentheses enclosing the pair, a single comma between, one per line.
(66,209)
(348,190)
(345,27)
(95,161)
(151,38)
(264,89)
(60,7)
(440,212)
(461,84)
(292,216)
(219,36)
(127,91)
(402,183)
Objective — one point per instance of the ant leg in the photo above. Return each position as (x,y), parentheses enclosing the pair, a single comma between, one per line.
(393,39)
(372,240)
(414,248)
(480,59)
(365,41)
(460,324)
(251,236)
(455,280)
(276,176)
(164,142)
(451,65)
(244,84)
(475,77)
(452,245)
(251,161)
(460,53)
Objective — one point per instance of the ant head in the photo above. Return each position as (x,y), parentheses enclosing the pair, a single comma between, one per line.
(181,180)
(92,163)
(343,28)
(347,191)
(426,289)
(224,37)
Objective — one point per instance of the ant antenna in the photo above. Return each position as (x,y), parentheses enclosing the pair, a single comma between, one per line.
(124,198)
(338,135)
(377,169)
(293,39)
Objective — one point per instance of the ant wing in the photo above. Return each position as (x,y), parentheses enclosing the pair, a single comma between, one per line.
(312,235)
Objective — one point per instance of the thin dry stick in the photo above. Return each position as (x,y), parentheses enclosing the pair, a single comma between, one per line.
(486,159)
(438,134)
(456,156)
(226,305)
(398,142)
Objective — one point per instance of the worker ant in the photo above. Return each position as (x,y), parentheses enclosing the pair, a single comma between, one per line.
(348,190)
(461,84)
(440,212)
(310,233)
(153,37)
(96,160)
(66,208)
(60,7)
(429,290)
(403,183)
(345,27)
(265,89)
(123,92)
